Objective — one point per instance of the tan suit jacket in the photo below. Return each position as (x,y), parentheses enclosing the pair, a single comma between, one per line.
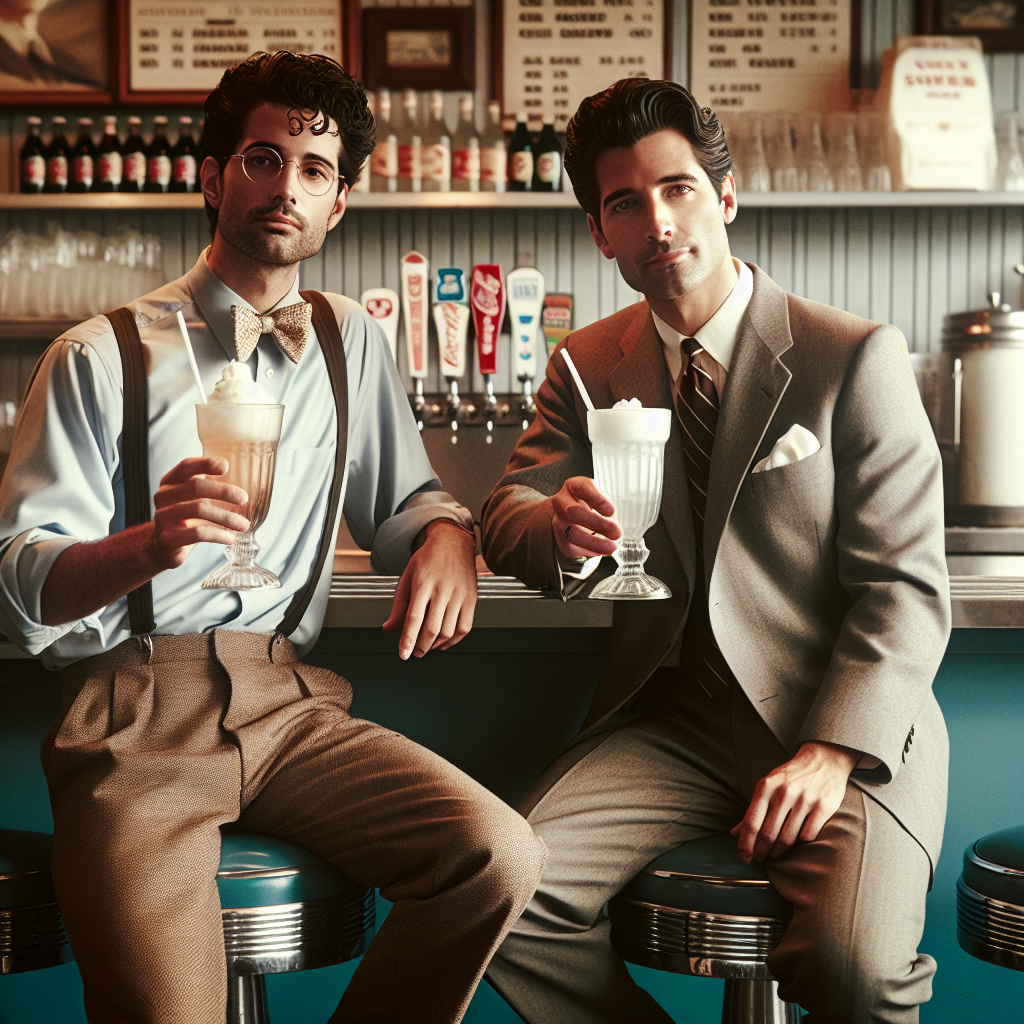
(827,585)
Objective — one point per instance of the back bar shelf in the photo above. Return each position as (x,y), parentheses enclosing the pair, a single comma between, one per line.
(512,200)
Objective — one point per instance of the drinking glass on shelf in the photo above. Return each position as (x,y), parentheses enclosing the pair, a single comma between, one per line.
(628,447)
(247,437)
(877,175)
(757,175)
(1009,162)
(815,175)
(846,169)
(782,157)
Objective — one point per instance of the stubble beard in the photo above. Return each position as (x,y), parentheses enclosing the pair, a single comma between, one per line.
(691,273)
(247,233)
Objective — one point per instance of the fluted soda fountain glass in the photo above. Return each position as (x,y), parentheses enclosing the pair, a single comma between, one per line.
(247,437)
(628,447)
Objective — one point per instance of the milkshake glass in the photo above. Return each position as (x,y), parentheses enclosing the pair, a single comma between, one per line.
(242,424)
(628,447)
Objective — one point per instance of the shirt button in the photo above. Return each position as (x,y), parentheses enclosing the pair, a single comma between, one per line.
(270,373)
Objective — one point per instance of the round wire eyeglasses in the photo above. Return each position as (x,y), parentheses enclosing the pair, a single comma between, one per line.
(263,165)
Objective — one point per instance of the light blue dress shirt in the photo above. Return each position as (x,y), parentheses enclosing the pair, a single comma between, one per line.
(63,483)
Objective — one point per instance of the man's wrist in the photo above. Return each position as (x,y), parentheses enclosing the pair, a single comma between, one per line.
(834,753)
(442,521)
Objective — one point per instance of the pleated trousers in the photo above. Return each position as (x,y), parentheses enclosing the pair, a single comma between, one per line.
(151,754)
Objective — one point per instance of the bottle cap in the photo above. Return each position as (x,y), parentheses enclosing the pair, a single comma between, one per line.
(110,119)
(35,120)
(549,119)
(160,119)
(466,104)
(521,117)
(184,120)
(85,122)
(60,120)
(134,119)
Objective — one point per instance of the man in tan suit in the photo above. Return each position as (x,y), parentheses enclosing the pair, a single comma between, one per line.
(783,692)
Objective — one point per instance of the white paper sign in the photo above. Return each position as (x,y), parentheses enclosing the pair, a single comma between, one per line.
(556,54)
(940,117)
(766,55)
(188,46)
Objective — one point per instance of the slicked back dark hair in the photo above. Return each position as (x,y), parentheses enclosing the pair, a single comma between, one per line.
(629,111)
(308,84)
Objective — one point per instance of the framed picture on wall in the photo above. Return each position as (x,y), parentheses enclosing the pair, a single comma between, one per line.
(419,48)
(176,54)
(55,52)
(999,24)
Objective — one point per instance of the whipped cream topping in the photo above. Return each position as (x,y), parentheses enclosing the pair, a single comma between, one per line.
(236,387)
(633,403)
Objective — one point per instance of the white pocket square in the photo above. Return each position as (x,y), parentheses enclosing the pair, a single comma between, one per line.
(795,444)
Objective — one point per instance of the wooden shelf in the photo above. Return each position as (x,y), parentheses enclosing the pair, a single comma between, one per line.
(516,200)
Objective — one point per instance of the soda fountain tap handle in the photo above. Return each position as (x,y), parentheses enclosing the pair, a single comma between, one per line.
(487,302)
(525,303)
(451,317)
(382,305)
(416,307)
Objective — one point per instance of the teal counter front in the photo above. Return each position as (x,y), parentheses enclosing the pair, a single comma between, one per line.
(502,702)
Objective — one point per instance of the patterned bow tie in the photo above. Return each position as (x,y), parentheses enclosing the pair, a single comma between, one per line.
(289,326)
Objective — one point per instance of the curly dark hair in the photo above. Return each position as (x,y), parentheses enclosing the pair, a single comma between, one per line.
(629,111)
(309,83)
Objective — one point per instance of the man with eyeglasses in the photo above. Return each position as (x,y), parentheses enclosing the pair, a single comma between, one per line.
(186,709)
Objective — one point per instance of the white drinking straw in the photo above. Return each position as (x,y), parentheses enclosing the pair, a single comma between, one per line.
(191,356)
(579,383)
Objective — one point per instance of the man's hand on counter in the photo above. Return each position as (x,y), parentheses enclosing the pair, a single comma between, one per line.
(436,596)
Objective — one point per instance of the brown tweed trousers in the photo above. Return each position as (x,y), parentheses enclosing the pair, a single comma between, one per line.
(150,755)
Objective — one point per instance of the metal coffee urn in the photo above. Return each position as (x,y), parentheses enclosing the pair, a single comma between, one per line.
(978,413)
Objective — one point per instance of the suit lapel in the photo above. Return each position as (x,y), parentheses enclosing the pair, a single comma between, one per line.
(642,373)
(756,383)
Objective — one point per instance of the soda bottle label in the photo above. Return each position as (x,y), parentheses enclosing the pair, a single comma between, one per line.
(185,170)
(33,171)
(384,159)
(158,169)
(81,169)
(522,166)
(492,164)
(466,164)
(57,170)
(549,168)
(111,168)
(410,161)
(436,162)
(135,168)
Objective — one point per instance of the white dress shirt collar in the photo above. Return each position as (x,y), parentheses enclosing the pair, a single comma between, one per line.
(215,299)
(719,335)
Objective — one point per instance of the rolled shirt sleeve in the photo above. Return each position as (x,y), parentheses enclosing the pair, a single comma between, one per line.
(392,492)
(57,489)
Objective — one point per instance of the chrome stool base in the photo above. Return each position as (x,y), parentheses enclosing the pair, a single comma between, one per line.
(989,929)
(32,938)
(247,999)
(756,1002)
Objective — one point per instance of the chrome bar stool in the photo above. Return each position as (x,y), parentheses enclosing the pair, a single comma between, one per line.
(700,910)
(32,932)
(990,899)
(284,909)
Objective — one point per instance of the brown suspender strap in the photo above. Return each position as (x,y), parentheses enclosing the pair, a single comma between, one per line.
(135,453)
(326,326)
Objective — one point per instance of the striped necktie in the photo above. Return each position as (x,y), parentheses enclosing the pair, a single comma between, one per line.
(697,403)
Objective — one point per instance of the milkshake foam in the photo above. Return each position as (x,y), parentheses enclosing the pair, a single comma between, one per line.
(629,422)
(239,410)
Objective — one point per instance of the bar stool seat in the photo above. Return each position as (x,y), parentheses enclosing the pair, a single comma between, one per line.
(700,910)
(32,934)
(284,909)
(990,899)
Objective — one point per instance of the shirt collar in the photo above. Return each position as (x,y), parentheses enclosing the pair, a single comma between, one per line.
(719,335)
(215,299)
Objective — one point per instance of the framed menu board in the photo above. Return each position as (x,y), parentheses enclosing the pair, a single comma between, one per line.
(173,52)
(550,54)
(771,54)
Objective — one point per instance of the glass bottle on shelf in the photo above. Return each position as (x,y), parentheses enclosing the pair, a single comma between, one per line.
(848,175)
(133,175)
(547,169)
(410,170)
(877,175)
(109,159)
(158,158)
(466,150)
(785,175)
(436,158)
(83,158)
(32,160)
(58,158)
(183,159)
(384,159)
(493,157)
(520,157)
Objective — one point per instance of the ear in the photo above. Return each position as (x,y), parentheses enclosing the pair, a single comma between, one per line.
(212,182)
(340,205)
(729,203)
(599,240)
